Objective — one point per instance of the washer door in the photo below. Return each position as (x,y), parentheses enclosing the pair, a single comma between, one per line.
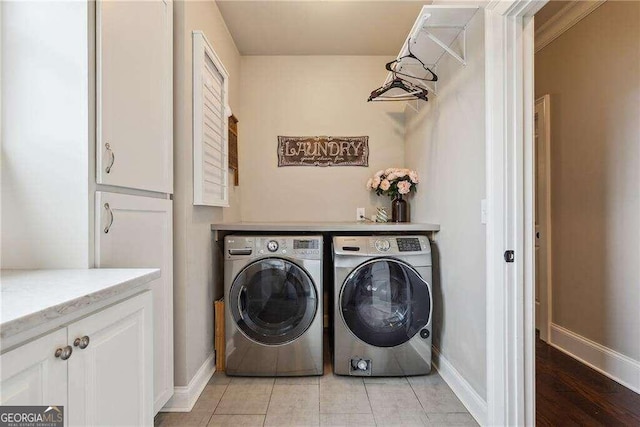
(273,301)
(385,302)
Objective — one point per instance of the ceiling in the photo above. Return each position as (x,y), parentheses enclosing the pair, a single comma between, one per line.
(310,27)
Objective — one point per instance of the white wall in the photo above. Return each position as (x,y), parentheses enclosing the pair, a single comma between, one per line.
(445,143)
(592,73)
(194,284)
(311,96)
(46,208)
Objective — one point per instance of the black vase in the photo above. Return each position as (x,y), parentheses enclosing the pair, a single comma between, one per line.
(399,210)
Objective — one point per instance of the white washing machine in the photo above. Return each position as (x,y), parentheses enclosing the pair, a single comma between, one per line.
(273,305)
(382,306)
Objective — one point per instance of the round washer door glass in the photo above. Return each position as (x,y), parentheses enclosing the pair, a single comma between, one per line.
(385,302)
(273,301)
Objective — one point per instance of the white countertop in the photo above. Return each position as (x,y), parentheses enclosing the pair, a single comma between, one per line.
(325,226)
(30,298)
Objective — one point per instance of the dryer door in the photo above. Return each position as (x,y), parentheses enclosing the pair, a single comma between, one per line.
(273,301)
(385,302)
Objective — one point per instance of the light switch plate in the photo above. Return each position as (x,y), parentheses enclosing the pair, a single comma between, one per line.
(360,215)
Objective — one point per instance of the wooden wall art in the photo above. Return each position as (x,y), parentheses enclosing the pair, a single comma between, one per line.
(233,149)
(323,151)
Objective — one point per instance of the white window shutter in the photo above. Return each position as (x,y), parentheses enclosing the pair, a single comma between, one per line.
(210,125)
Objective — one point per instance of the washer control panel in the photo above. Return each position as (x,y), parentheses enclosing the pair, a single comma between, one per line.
(272,246)
(394,245)
(306,247)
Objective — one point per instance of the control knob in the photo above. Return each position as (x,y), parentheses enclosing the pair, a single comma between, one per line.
(383,245)
(272,246)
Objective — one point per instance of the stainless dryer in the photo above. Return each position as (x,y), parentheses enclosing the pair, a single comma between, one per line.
(383,305)
(273,305)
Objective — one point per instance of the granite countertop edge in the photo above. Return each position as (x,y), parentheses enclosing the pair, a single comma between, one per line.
(41,315)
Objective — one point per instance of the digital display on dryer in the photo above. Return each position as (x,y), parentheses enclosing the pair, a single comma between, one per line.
(408,244)
(305,244)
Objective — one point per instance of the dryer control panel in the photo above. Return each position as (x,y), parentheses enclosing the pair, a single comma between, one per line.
(307,247)
(381,245)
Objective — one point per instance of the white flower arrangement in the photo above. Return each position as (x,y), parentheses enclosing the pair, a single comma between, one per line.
(393,182)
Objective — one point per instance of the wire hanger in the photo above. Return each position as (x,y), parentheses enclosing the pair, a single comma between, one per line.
(412,91)
(391,66)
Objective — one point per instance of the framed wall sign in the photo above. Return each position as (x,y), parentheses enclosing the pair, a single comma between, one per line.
(323,151)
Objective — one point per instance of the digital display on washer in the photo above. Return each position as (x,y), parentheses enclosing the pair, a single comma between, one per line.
(408,244)
(305,244)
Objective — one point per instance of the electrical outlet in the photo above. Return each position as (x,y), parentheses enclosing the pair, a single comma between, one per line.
(360,215)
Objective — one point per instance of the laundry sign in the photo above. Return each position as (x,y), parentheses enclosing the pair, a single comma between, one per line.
(323,151)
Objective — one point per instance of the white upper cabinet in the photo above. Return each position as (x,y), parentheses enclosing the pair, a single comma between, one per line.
(134,94)
(136,232)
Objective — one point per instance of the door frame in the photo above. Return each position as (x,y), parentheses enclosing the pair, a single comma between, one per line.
(546,293)
(509,46)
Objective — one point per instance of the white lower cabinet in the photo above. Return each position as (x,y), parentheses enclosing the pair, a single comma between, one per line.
(111,371)
(136,232)
(99,368)
(33,375)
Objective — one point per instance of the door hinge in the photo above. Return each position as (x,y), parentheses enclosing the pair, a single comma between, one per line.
(509,256)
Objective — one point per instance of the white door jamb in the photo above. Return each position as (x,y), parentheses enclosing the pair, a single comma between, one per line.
(509,45)
(544,224)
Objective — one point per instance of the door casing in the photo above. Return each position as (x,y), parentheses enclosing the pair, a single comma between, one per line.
(509,88)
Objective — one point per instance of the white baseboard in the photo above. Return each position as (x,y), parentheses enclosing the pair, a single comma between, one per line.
(614,365)
(184,398)
(475,404)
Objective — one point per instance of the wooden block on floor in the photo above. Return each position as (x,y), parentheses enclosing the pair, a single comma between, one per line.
(219,344)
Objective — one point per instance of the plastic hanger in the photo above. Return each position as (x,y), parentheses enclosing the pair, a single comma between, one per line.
(412,91)
(390,66)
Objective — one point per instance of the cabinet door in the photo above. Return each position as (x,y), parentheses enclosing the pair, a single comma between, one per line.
(33,375)
(134,94)
(139,234)
(110,379)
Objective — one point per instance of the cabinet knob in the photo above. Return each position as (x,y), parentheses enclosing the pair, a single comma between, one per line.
(64,353)
(107,146)
(81,342)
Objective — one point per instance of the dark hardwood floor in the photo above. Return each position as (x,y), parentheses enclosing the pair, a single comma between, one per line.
(569,393)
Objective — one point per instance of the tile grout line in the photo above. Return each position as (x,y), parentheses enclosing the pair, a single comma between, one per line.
(419,401)
(226,386)
(269,404)
(319,421)
(210,416)
(427,412)
(369,400)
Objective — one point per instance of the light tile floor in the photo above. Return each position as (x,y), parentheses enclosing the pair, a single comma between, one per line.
(329,400)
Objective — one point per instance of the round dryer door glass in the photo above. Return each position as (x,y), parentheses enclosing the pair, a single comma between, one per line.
(385,302)
(273,301)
